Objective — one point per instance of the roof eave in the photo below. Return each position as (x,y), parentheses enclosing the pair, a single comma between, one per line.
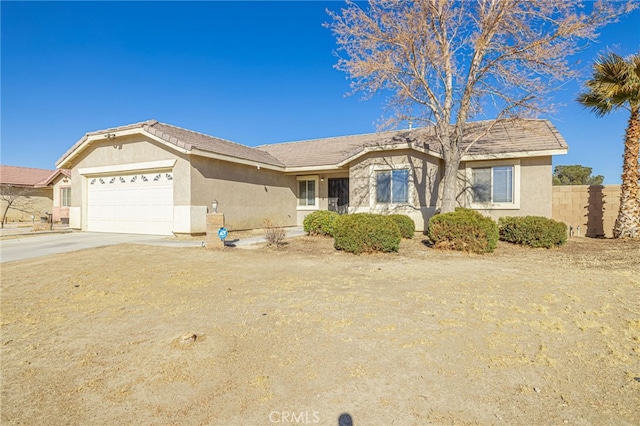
(365,150)
(20,185)
(111,135)
(65,161)
(48,181)
(385,148)
(307,169)
(520,154)
(237,160)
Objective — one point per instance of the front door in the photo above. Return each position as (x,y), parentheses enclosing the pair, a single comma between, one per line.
(339,195)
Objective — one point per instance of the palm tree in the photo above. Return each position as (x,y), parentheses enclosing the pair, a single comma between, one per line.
(616,84)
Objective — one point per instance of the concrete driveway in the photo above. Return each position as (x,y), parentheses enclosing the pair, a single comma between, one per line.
(43,245)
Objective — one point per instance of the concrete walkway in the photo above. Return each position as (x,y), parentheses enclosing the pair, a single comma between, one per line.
(292,232)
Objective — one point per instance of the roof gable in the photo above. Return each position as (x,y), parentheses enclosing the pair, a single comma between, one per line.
(60,172)
(178,138)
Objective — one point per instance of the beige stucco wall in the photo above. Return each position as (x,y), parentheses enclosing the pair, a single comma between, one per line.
(533,185)
(424,176)
(59,211)
(34,204)
(127,150)
(593,208)
(534,189)
(246,195)
(322,179)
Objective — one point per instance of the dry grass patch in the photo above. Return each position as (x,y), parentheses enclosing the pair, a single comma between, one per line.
(519,336)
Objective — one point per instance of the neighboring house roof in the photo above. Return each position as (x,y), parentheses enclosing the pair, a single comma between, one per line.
(183,139)
(483,139)
(521,137)
(55,174)
(25,176)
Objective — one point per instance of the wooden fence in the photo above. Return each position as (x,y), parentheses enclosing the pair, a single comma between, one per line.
(588,210)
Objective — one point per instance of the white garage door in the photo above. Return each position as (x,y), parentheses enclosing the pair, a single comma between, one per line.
(136,203)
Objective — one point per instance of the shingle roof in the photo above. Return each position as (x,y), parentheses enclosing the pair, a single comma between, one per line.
(24,176)
(493,138)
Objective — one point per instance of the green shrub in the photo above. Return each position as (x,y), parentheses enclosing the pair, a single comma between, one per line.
(366,232)
(320,222)
(533,231)
(464,230)
(405,223)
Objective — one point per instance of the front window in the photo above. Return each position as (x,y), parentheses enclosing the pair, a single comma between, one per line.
(65,197)
(492,184)
(307,193)
(392,186)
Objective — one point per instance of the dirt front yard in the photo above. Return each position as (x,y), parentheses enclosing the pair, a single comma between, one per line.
(302,335)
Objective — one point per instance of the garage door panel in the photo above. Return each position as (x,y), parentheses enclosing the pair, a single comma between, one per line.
(139,203)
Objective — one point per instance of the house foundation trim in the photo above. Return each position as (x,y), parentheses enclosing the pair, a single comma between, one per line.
(189,219)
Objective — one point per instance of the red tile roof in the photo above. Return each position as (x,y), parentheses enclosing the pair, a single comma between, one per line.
(55,174)
(24,176)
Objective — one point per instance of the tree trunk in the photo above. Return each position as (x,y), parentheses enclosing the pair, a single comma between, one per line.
(4,214)
(450,181)
(628,222)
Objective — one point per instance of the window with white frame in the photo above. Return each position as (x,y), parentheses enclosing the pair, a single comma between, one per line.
(65,197)
(494,185)
(306,192)
(392,186)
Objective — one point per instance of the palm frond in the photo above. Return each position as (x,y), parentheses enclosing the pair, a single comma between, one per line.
(598,105)
(615,83)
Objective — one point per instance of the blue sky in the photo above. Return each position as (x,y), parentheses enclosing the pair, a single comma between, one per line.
(250,72)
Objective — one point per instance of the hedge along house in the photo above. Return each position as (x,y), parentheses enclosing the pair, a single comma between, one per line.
(155,178)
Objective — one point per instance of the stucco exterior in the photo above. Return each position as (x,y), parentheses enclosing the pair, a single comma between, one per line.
(424,178)
(247,195)
(129,154)
(35,203)
(59,184)
(322,181)
(251,185)
(533,187)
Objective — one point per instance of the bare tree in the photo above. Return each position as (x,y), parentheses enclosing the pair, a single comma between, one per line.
(445,62)
(15,197)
